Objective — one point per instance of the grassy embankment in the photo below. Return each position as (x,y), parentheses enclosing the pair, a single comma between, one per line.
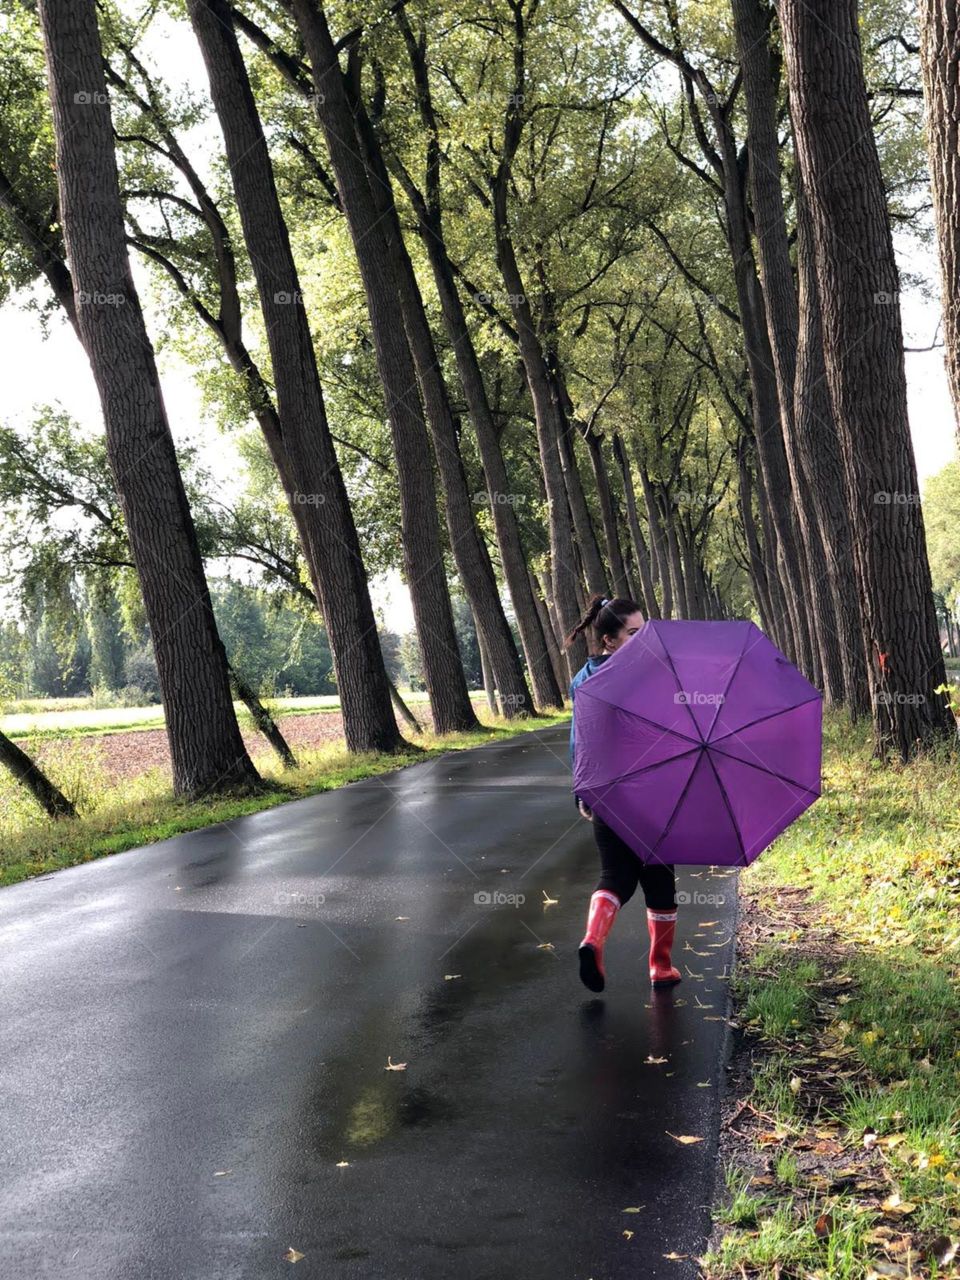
(143,810)
(842,1138)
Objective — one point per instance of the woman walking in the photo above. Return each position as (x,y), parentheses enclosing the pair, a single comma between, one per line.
(609,624)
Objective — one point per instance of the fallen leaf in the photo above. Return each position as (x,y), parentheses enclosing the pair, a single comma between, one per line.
(795,1083)
(634,1208)
(546,946)
(704,1084)
(292,1255)
(548,901)
(823,1226)
(895,1207)
(652,1061)
(222,1173)
(869,1139)
(684,1138)
(394,1066)
(628,1235)
(676,1257)
(707,924)
(449,977)
(343,1164)
(401,917)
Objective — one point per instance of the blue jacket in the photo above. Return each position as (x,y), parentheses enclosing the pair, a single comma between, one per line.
(590,667)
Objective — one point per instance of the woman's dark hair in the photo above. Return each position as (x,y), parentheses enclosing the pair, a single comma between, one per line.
(603,618)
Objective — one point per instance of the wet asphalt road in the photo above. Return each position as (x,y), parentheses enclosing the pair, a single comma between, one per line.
(225,1003)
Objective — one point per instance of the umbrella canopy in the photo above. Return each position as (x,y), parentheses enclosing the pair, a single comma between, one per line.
(698,742)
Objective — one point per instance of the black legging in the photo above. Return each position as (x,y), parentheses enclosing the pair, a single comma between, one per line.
(621,871)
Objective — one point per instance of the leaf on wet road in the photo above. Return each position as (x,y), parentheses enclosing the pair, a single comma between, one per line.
(343,1164)
(654,1062)
(685,1138)
(634,1208)
(394,1066)
(449,977)
(628,1235)
(548,901)
(546,946)
(222,1173)
(293,1255)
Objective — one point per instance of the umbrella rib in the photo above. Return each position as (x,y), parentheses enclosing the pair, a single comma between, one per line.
(763,769)
(760,719)
(726,801)
(723,696)
(693,718)
(644,768)
(661,728)
(676,808)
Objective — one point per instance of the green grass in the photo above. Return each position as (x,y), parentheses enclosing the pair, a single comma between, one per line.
(142,811)
(855,1024)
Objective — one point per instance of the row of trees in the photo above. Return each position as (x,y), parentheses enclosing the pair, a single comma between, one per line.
(547,296)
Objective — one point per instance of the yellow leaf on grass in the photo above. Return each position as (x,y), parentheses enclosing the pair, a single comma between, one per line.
(685,1138)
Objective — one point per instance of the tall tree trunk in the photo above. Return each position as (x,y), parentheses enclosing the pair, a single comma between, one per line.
(752,22)
(658,541)
(758,569)
(863,349)
(552,639)
(650,606)
(428,207)
(469,551)
(820,445)
(543,392)
(206,747)
(423,557)
(29,774)
(300,439)
(940,57)
(608,514)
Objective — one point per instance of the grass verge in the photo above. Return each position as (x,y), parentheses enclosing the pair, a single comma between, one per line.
(841,1138)
(144,810)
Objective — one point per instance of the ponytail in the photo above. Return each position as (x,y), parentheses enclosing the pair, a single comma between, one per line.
(603,617)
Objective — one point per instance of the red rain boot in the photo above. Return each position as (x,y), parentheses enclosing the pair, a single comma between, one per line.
(662,926)
(603,910)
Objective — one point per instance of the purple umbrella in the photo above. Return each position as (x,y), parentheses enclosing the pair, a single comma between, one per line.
(698,743)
